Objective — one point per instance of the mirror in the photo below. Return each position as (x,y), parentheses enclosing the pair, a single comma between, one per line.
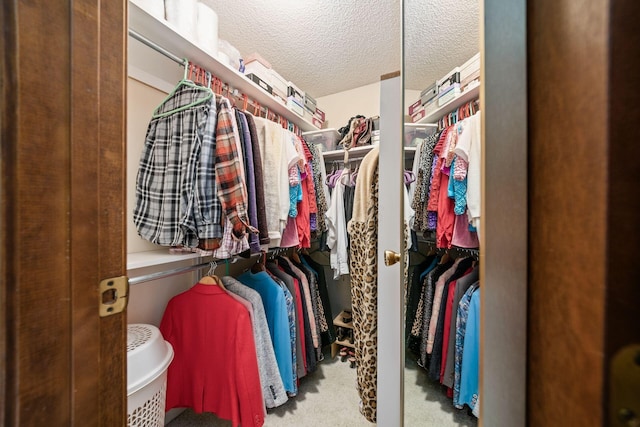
(441,83)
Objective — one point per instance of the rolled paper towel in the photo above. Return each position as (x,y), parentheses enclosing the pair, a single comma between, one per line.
(207,29)
(154,7)
(182,14)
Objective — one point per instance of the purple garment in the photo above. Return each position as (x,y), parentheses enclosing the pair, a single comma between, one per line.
(313,221)
(313,218)
(432,216)
(257,167)
(254,240)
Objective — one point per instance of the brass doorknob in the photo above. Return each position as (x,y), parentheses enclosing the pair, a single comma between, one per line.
(391,257)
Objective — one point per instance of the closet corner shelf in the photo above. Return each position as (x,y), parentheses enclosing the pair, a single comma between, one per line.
(337,321)
(355,152)
(337,344)
(168,37)
(464,97)
(157,257)
(359,152)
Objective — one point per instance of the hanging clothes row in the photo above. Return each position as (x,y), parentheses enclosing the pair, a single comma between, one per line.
(242,344)
(446,193)
(204,77)
(442,324)
(341,184)
(216,177)
(459,114)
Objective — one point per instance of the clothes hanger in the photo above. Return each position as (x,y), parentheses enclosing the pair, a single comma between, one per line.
(260,265)
(445,258)
(295,257)
(207,94)
(409,177)
(211,278)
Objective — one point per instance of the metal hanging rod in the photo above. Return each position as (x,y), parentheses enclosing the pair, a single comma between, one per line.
(273,252)
(167,273)
(142,39)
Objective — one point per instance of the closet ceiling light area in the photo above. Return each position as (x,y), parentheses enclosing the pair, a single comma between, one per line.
(328,46)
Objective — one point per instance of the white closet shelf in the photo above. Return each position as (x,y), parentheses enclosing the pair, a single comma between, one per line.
(356,152)
(359,152)
(157,257)
(168,37)
(464,97)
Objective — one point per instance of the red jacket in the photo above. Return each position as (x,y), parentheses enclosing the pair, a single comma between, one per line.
(215,367)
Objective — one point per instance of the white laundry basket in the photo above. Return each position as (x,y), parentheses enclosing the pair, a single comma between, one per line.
(148,358)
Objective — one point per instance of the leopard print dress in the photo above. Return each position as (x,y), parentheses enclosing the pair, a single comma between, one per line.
(364,302)
(363,266)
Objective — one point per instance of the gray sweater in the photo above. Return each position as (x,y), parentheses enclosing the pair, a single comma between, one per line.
(270,379)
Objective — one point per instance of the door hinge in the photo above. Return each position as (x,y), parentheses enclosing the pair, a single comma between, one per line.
(113,295)
(625,388)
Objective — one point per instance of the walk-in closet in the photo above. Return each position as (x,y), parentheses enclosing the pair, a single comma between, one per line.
(256,165)
(319,213)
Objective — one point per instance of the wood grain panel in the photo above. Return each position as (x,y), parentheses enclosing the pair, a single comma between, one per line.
(623,292)
(62,214)
(568,210)
(112,202)
(38,285)
(8,132)
(85,159)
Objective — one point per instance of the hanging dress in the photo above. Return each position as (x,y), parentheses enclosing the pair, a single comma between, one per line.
(363,231)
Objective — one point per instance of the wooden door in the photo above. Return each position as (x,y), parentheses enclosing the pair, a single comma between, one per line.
(584,228)
(63,146)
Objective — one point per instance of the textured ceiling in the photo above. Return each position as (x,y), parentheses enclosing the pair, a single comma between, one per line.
(326,46)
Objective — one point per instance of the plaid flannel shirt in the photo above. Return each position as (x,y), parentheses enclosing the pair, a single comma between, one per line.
(229,174)
(176,201)
(189,173)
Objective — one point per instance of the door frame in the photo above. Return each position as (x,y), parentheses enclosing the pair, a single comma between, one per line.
(504,214)
(62,124)
(584,231)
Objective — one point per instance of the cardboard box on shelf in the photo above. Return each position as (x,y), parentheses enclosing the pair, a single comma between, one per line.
(295,92)
(257,80)
(429,93)
(448,95)
(472,66)
(468,80)
(258,69)
(310,103)
(415,106)
(448,80)
(418,115)
(278,83)
(295,106)
(255,56)
(317,122)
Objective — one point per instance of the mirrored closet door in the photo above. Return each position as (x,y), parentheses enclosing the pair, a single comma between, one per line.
(447,318)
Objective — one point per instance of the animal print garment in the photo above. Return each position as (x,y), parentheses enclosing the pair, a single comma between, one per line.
(363,268)
(364,302)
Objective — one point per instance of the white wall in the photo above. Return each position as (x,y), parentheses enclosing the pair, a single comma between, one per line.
(141,101)
(341,106)
(365,100)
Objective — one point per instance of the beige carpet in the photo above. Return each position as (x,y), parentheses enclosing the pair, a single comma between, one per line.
(328,398)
